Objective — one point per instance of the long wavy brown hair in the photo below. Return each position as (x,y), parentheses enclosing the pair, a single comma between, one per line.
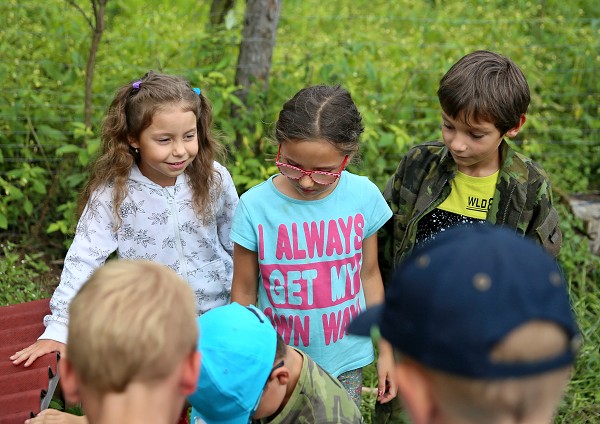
(130,113)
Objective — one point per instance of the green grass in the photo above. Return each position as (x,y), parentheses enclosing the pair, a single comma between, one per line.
(390,55)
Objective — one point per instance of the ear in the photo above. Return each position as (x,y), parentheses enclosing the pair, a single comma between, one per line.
(415,391)
(350,158)
(282,375)
(512,133)
(69,381)
(133,142)
(190,371)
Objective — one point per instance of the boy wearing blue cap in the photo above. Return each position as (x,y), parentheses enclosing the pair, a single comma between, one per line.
(482,329)
(248,373)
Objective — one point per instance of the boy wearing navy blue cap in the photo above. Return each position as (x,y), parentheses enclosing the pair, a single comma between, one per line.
(249,373)
(482,328)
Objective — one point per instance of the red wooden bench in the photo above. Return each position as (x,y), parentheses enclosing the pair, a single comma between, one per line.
(24,391)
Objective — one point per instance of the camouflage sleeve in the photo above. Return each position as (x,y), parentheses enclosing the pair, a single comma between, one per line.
(385,235)
(419,166)
(544,226)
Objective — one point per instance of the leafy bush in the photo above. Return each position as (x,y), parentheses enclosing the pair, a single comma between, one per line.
(390,55)
(582,403)
(23,276)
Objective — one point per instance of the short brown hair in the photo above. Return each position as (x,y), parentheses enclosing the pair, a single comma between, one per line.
(484,85)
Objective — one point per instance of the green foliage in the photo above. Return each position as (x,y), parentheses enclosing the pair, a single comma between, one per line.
(390,55)
(81,152)
(582,269)
(20,275)
(390,58)
(59,405)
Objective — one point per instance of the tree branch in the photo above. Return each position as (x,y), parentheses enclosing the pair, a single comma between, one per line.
(76,6)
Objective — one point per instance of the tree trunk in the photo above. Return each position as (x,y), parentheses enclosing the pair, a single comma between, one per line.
(256,51)
(99,11)
(97,27)
(218,11)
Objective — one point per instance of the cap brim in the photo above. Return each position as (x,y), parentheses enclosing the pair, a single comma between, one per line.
(241,419)
(364,323)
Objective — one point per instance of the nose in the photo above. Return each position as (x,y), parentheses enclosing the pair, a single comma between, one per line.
(457,144)
(178,148)
(306,182)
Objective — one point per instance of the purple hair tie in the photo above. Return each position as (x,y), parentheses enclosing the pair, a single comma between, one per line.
(136,84)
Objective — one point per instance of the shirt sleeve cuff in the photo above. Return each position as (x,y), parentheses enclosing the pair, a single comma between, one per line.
(55,331)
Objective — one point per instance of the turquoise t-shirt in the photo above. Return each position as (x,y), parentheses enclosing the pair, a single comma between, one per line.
(310,256)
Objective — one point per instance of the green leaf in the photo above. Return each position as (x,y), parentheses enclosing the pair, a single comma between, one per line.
(27,207)
(56,404)
(67,148)
(236,101)
(39,187)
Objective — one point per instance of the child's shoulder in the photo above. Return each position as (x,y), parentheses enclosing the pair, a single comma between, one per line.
(221,169)
(258,190)
(423,156)
(427,148)
(523,167)
(357,179)
(354,183)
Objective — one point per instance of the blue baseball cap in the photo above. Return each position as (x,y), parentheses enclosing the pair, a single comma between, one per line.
(455,298)
(238,345)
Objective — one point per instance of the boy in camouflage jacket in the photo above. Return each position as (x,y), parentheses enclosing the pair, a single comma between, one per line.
(484,97)
(473,175)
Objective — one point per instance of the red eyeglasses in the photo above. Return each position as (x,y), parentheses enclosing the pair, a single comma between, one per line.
(319,177)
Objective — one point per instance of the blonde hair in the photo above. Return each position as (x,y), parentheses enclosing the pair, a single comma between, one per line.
(514,400)
(131,321)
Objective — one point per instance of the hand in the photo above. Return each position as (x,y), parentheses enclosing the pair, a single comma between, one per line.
(52,416)
(386,389)
(39,348)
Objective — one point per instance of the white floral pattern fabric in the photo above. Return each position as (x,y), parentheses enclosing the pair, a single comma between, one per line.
(158,224)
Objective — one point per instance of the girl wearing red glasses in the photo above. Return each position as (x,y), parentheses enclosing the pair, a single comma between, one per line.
(306,239)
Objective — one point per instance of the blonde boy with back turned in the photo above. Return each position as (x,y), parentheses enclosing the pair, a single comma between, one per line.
(131,356)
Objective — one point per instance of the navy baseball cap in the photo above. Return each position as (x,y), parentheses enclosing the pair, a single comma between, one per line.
(238,345)
(455,298)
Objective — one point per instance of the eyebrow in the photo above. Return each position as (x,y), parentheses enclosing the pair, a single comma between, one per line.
(170,133)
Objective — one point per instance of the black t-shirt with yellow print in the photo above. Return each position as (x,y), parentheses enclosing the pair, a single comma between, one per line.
(468,203)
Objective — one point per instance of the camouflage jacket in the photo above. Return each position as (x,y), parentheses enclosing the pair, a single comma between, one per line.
(317,398)
(522,200)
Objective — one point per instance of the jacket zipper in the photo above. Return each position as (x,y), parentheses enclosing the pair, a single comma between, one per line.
(179,246)
(415,218)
